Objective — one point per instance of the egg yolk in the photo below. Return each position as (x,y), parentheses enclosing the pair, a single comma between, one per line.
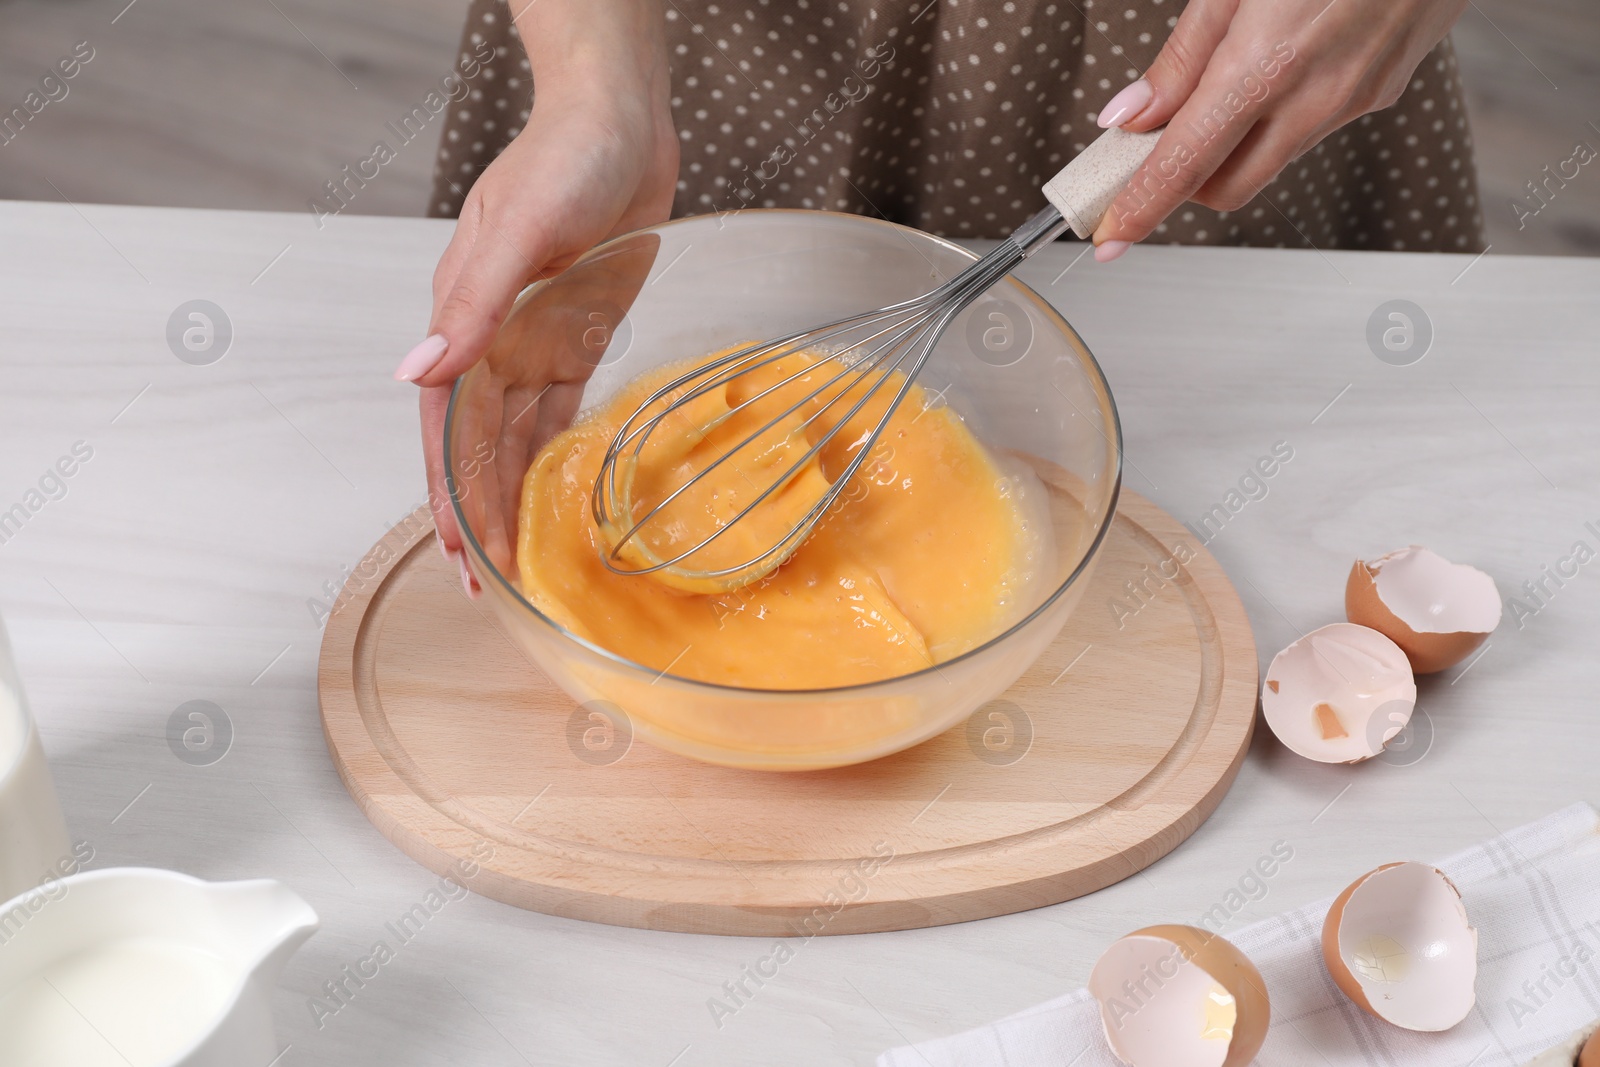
(922,556)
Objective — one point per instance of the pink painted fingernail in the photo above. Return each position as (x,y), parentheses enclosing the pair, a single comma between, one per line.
(1126,104)
(1106,251)
(447,553)
(466,578)
(421,359)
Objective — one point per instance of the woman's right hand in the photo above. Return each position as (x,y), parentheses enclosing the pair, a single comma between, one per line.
(598,157)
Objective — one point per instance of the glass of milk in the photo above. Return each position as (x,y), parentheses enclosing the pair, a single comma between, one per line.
(33,834)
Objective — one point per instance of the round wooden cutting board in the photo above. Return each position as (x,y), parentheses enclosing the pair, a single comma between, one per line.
(1104,756)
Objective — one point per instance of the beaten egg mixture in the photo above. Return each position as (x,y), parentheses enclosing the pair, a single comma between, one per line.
(923,557)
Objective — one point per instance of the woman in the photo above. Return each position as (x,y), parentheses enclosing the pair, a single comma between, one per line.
(947,115)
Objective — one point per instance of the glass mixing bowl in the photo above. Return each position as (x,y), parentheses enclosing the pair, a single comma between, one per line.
(1009,364)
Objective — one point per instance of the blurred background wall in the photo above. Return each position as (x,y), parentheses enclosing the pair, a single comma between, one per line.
(257,103)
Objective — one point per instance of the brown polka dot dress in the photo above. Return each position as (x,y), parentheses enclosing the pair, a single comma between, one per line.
(950,116)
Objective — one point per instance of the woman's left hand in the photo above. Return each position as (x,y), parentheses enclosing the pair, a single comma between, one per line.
(1244,87)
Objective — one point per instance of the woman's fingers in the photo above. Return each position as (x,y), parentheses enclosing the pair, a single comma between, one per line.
(498,265)
(1271,145)
(1195,143)
(433,403)
(474,287)
(1177,70)
(462,238)
(1244,87)
(427,353)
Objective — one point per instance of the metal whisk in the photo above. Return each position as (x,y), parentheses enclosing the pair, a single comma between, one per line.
(862,352)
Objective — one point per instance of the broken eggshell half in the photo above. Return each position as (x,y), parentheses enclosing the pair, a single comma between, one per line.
(1339,694)
(1437,611)
(1582,1049)
(1179,996)
(1398,943)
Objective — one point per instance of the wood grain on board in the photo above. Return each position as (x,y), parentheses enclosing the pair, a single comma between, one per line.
(1104,756)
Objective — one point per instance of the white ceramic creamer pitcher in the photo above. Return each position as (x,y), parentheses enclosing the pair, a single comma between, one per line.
(33,835)
(144,967)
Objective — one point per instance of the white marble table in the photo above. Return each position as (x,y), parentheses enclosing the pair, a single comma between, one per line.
(220,499)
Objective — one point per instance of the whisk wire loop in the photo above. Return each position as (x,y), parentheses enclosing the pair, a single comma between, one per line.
(860,368)
(912,327)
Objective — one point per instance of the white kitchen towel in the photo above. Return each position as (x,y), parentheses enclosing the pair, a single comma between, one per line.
(1534,895)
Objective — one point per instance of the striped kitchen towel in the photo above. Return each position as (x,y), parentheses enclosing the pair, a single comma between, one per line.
(1534,895)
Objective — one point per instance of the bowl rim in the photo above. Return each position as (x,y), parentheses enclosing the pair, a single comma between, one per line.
(1048,309)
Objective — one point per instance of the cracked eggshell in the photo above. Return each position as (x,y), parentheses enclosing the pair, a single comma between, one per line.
(1582,1049)
(1339,694)
(1437,611)
(1179,996)
(1398,943)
